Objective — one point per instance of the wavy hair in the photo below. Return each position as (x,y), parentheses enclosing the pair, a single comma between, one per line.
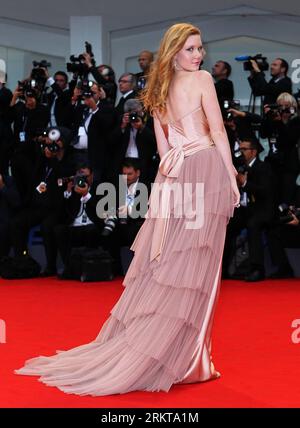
(161,72)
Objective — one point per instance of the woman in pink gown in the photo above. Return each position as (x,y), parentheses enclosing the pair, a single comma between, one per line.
(159,332)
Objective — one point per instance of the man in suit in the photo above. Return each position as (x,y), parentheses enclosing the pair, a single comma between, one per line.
(43,204)
(127,84)
(278,84)
(224,87)
(81,227)
(132,139)
(256,211)
(92,124)
(10,202)
(59,100)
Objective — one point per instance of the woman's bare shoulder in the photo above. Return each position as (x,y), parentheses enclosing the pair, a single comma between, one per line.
(203,75)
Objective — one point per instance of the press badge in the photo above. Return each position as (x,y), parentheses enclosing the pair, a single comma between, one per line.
(81,131)
(22,136)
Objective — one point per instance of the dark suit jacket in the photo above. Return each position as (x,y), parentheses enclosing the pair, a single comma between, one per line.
(73,204)
(120,105)
(224,89)
(270,90)
(260,190)
(63,109)
(10,200)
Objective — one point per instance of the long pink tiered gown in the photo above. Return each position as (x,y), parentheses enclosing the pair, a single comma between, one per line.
(159,332)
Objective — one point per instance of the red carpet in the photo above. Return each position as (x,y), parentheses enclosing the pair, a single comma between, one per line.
(252,346)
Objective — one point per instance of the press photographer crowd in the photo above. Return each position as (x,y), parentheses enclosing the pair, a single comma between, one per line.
(63,134)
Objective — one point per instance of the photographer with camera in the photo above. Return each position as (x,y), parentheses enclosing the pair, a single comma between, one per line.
(59,100)
(81,227)
(256,212)
(93,120)
(239,124)
(104,75)
(43,205)
(281,126)
(28,118)
(133,139)
(278,84)
(224,87)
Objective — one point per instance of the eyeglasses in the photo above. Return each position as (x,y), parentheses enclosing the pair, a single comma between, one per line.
(124,81)
(244,149)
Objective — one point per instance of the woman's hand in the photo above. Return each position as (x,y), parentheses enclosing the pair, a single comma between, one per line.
(237,194)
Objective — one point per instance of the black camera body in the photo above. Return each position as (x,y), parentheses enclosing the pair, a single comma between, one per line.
(227,104)
(134,117)
(260,60)
(77,64)
(80,180)
(38,73)
(286,212)
(86,88)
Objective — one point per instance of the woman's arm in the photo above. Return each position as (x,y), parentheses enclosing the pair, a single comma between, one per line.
(161,141)
(215,120)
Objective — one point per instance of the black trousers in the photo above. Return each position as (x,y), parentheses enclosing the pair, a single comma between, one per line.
(255,223)
(282,236)
(4,238)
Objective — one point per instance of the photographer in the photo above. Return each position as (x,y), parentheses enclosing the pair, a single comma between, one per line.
(44,203)
(93,121)
(256,210)
(59,100)
(224,87)
(281,126)
(285,233)
(10,202)
(278,84)
(81,227)
(238,124)
(132,139)
(104,75)
(28,117)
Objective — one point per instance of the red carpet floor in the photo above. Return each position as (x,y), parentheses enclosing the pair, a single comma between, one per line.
(252,345)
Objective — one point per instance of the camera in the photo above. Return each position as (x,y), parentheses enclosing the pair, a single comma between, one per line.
(134,117)
(80,180)
(259,59)
(54,135)
(77,64)
(286,212)
(28,88)
(86,88)
(110,224)
(227,104)
(276,109)
(38,73)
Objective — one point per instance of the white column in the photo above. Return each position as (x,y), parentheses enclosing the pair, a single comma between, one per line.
(90,29)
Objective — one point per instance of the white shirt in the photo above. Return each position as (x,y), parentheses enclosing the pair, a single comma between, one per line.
(132,151)
(244,196)
(82,218)
(82,143)
(127,93)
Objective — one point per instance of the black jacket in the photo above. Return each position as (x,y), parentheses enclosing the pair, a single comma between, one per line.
(63,108)
(224,89)
(260,191)
(10,200)
(122,101)
(271,90)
